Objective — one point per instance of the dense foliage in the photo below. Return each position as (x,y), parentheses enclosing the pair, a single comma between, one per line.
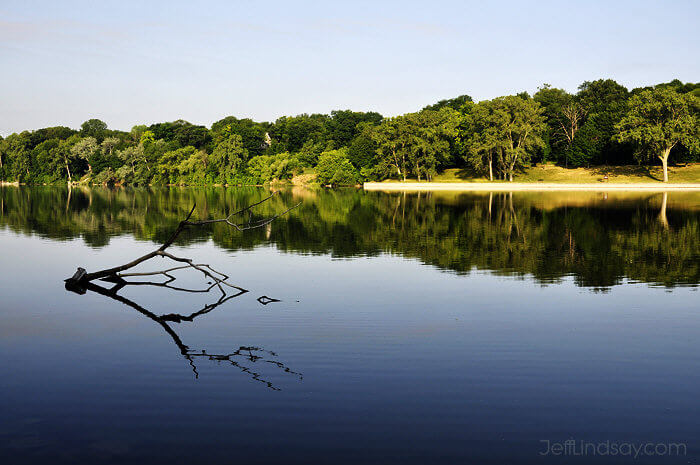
(603,123)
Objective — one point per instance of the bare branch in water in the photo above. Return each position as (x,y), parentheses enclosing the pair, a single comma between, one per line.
(82,281)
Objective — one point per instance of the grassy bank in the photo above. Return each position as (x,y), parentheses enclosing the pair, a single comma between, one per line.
(552,174)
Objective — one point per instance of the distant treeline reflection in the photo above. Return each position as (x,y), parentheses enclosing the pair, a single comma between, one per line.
(599,239)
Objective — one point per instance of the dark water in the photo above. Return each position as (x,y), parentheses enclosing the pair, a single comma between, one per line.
(443,328)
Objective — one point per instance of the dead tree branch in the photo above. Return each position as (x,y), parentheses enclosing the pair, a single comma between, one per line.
(82,281)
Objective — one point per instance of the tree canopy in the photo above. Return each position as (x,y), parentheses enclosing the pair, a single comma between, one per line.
(660,119)
(602,123)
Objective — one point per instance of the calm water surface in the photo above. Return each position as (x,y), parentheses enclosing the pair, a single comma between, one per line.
(410,328)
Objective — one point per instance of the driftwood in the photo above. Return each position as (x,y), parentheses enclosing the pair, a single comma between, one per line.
(83,281)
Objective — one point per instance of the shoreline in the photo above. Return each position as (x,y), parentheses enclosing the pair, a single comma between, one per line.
(516,186)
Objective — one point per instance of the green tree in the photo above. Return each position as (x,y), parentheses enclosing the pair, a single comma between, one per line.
(604,103)
(334,168)
(108,145)
(415,143)
(63,152)
(136,132)
(432,134)
(478,136)
(266,168)
(253,134)
(182,133)
(564,115)
(455,103)
(292,132)
(195,168)
(393,139)
(134,158)
(51,167)
(362,151)
(94,128)
(310,151)
(85,149)
(44,134)
(18,160)
(507,128)
(659,120)
(229,158)
(170,163)
(343,125)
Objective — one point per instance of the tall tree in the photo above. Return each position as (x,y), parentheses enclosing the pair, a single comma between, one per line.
(659,120)
(84,150)
(478,136)
(561,128)
(134,157)
(292,132)
(229,158)
(393,139)
(63,151)
(522,132)
(252,134)
(94,128)
(108,145)
(604,103)
(432,134)
(510,128)
(343,125)
(18,156)
(362,151)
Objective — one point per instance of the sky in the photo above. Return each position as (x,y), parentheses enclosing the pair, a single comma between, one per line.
(129,63)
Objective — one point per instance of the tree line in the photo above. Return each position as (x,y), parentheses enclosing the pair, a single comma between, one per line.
(603,123)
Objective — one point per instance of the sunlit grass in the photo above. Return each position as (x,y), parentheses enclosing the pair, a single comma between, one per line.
(555,174)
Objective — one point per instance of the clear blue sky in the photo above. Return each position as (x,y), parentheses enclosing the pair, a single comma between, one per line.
(143,62)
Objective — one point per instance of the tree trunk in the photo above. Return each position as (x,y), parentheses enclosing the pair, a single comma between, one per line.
(490,169)
(68,170)
(664,161)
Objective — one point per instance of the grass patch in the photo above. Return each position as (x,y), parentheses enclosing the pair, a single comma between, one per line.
(629,174)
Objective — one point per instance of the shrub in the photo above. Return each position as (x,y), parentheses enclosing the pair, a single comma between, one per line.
(335,168)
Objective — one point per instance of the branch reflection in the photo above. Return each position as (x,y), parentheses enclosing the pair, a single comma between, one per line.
(244,358)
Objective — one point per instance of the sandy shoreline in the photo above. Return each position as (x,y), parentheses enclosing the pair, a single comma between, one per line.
(501,186)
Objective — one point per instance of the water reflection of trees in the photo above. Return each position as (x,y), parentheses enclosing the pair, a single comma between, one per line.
(598,240)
